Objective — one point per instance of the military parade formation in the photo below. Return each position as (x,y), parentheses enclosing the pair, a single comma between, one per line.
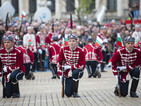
(67,49)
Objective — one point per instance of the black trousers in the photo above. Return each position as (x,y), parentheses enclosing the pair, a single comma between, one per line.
(13,81)
(91,67)
(27,68)
(135,73)
(69,82)
(53,68)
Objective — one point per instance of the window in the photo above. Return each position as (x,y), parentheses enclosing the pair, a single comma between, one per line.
(15,4)
(92,5)
(131,2)
(52,6)
(70,6)
(32,6)
(112,5)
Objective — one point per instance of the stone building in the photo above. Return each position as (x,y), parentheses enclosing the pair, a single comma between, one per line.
(62,8)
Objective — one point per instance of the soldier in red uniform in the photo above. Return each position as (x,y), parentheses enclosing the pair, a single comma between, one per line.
(53,51)
(11,61)
(128,60)
(72,59)
(28,59)
(93,56)
(11,32)
(40,41)
(54,32)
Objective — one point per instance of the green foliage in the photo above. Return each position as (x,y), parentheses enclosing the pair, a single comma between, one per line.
(86,5)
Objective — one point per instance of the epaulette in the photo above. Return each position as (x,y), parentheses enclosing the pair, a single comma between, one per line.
(120,49)
(18,50)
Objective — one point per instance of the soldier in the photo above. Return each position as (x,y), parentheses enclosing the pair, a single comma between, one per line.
(11,32)
(11,61)
(93,56)
(40,41)
(53,51)
(128,60)
(72,59)
(28,59)
(54,32)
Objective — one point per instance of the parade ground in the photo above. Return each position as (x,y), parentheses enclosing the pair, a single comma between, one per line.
(44,91)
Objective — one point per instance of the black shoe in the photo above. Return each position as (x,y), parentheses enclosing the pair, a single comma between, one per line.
(75,95)
(103,71)
(54,77)
(95,74)
(133,94)
(98,74)
(16,95)
(89,76)
(32,77)
(116,91)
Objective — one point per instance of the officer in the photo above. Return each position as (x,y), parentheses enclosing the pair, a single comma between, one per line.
(72,58)
(11,62)
(128,60)
(93,56)
(53,51)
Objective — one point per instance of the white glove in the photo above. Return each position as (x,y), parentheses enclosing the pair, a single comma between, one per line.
(61,79)
(40,51)
(122,68)
(30,67)
(116,77)
(66,67)
(98,65)
(5,69)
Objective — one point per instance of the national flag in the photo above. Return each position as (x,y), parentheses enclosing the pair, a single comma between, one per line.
(23,14)
(98,41)
(119,40)
(137,41)
(65,42)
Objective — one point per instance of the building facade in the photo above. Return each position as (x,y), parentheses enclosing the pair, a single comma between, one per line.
(62,8)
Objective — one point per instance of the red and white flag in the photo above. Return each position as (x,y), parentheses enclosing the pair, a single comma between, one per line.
(99,41)
(119,40)
(23,14)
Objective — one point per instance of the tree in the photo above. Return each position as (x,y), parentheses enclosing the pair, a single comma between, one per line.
(85,7)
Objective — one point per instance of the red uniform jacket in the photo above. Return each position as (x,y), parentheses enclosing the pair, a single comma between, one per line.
(12,59)
(74,58)
(48,39)
(53,51)
(122,57)
(91,53)
(28,56)
(40,40)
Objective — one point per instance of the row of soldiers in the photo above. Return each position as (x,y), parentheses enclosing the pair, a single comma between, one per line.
(60,45)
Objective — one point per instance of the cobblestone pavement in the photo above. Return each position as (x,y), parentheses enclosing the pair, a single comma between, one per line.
(44,91)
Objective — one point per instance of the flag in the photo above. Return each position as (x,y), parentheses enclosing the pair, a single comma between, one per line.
(98,41)
(65,42)
(137,41)
(119,40)
(23,14)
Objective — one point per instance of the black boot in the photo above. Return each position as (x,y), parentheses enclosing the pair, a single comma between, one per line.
(75,89)
(116,92)
(134,88)
(16,92)
(102,67)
